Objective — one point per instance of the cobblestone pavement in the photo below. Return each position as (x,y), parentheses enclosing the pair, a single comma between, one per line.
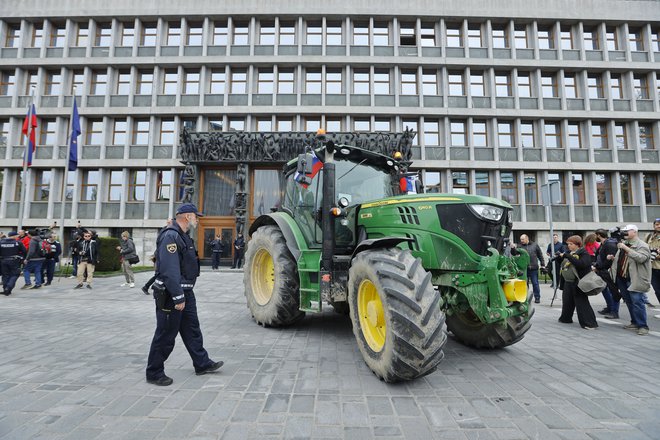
(72,367)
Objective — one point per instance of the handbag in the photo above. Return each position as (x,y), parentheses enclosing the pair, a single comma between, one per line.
(591,284)
(134,260)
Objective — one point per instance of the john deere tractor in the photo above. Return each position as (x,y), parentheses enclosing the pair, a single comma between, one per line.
(347,233)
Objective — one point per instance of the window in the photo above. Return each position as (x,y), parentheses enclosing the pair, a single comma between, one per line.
(127,36)
(509,182)
(90,185)
(616,89)
(42,185)
(599,136)
(500,38)
(407,35)
(103,36)
(170,78)
(284,124)
(166,132)
(655,40)
(173,37)
(620,136)
(475,37)
(220,34)
(287,34)
(238,82)
(123,83)
(381,82)
(574,138)
(454,37)
(314,34)
(570,86)
(119,132)
(427,35)
(408,82)
(13,38)
(524,85)
(361,82)
(285,82)
(546,38)
(218,80)
(191,83)
(237,124)
(432,182)
(482,183)
(361,125)
(520,37)
(46,132)
(460,182)
(651,189)
(429,84)
(646,137)
(4,132)
(264,124)
(558,177)
(190,124)
(527,137)
(503,84)
(381,34)
(411,124)
(265,82)
(137,180)
(144,85)
(641,86)
(531,189)
(579,193)
(567,39)
(477,85)
(148,35)
(70,185)
(194,34)
(163,185)
(604,189)
(431,133)
(553,135)
(591,39)
(241,34)
(595,86)
(312,124)
(333,34)
(505,134)
(626,189)
(57,37)
(480,133)
(611,38)
(31,81)
(313,82)
(360,34)
(37,35)
(98,84)
(140,132)
(334,125)
(77,80)
(114,186)
(53,84)
(458,134)
(215,125)
(267,34)
(333,82)
(549,85)
(636,40)
(94,133)
(456,84)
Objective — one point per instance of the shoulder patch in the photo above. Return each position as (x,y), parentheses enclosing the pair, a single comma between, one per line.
(171,248)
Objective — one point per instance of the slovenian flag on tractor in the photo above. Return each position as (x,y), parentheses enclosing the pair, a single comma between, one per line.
(30,130)
(407,184)
(316,167)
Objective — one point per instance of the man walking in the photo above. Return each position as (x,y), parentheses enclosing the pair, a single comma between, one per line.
(555,267)
(653,240)
(52,257)
(33,261)
(604,258)
(239,248)
(217,248)
(535,256)
(632,267)
(88,255)
(127,250)
(12,254)
(176,307)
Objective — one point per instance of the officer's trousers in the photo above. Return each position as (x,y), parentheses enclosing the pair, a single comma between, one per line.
(168,325)
(216,260)
(11,270)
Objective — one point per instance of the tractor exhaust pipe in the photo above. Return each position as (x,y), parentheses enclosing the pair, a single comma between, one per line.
(327,219)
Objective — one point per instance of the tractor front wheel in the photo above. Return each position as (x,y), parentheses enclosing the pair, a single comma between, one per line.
(271,279)
(396,314)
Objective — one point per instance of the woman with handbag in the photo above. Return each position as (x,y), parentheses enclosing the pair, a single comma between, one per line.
(575,264)
(128,257)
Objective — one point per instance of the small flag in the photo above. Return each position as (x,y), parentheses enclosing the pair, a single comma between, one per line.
(75,132)
(316,167)
(30,130)
(407,185)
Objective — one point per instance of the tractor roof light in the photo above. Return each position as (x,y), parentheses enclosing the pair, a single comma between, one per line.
(488,212)
(397,155)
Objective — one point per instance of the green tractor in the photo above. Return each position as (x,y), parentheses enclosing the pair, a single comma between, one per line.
(347,233)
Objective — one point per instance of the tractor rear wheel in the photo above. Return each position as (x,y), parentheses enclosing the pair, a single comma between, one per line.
(470,331)
(396,314)
(271,279)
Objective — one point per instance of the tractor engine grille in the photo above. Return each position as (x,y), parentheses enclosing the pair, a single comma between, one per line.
(476,232)
(408,215)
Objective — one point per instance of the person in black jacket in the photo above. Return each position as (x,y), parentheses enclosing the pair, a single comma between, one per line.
(239,248)
(535,257)
(52,257)
(602,268)
(88,252)
(217,249)
(12,254)
(575,264)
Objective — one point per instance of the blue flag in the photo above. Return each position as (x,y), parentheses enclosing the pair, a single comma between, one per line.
(75,132)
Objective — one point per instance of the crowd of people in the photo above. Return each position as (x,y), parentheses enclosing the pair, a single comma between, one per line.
(628,265)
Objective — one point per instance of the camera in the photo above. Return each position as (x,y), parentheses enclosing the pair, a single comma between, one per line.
(618,234)
(654,254)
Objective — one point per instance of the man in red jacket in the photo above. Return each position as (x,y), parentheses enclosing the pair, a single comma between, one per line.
(24,238)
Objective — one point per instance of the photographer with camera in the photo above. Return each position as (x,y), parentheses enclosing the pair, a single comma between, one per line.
(88,253)
(653,240)
(604,259)
(535,257)
(632,268)
(554,264)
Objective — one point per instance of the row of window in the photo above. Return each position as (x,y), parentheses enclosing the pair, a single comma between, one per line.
(333,80)
(360,32)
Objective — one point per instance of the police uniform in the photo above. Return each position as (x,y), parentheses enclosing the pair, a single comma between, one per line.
(217,248)
(178,269)
(12,254)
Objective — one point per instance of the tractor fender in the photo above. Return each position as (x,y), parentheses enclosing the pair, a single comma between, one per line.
(285,224)
(378,243)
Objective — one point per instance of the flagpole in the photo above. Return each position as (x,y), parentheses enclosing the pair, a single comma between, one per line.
(66,169)
(21,205)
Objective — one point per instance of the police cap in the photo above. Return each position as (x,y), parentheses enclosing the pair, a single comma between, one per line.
(188,207)
(12,234)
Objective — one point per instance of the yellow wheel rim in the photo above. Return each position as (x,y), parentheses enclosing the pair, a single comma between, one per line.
(372,315)
(263,276)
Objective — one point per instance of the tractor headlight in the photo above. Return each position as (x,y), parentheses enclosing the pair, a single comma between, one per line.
(488,212)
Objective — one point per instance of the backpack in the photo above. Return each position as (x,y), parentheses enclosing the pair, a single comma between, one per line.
(45,248)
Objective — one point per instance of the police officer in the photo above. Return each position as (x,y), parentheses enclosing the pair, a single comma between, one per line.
(217,248)
(176,309)
(12,253)
(239,248)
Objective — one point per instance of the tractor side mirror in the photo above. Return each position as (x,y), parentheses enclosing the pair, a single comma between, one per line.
(418,186)
(304,163)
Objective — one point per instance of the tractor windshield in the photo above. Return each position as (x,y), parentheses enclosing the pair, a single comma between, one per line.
(361,183)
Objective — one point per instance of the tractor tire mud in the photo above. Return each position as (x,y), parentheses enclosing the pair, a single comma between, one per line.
(271,279)
(468,330)
(412,336)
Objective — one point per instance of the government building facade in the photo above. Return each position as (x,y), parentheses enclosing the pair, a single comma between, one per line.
(502,97)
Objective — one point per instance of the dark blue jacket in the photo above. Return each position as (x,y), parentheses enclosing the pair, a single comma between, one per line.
(55,251)
(12,249)
(178,263)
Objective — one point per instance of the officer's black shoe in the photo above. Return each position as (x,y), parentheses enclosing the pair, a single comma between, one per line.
(161,381)
(211,368)
(89,286)
(145,290)
(79,286)
(47,284)
(6,293)
(37,286)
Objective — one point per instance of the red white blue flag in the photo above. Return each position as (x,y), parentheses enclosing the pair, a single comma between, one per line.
(30,130)
(316,167)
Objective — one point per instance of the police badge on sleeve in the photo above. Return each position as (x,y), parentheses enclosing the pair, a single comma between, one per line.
(171,248)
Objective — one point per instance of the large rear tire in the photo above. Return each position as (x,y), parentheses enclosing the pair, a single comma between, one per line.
(396,314)
(271,279)
(470,331)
